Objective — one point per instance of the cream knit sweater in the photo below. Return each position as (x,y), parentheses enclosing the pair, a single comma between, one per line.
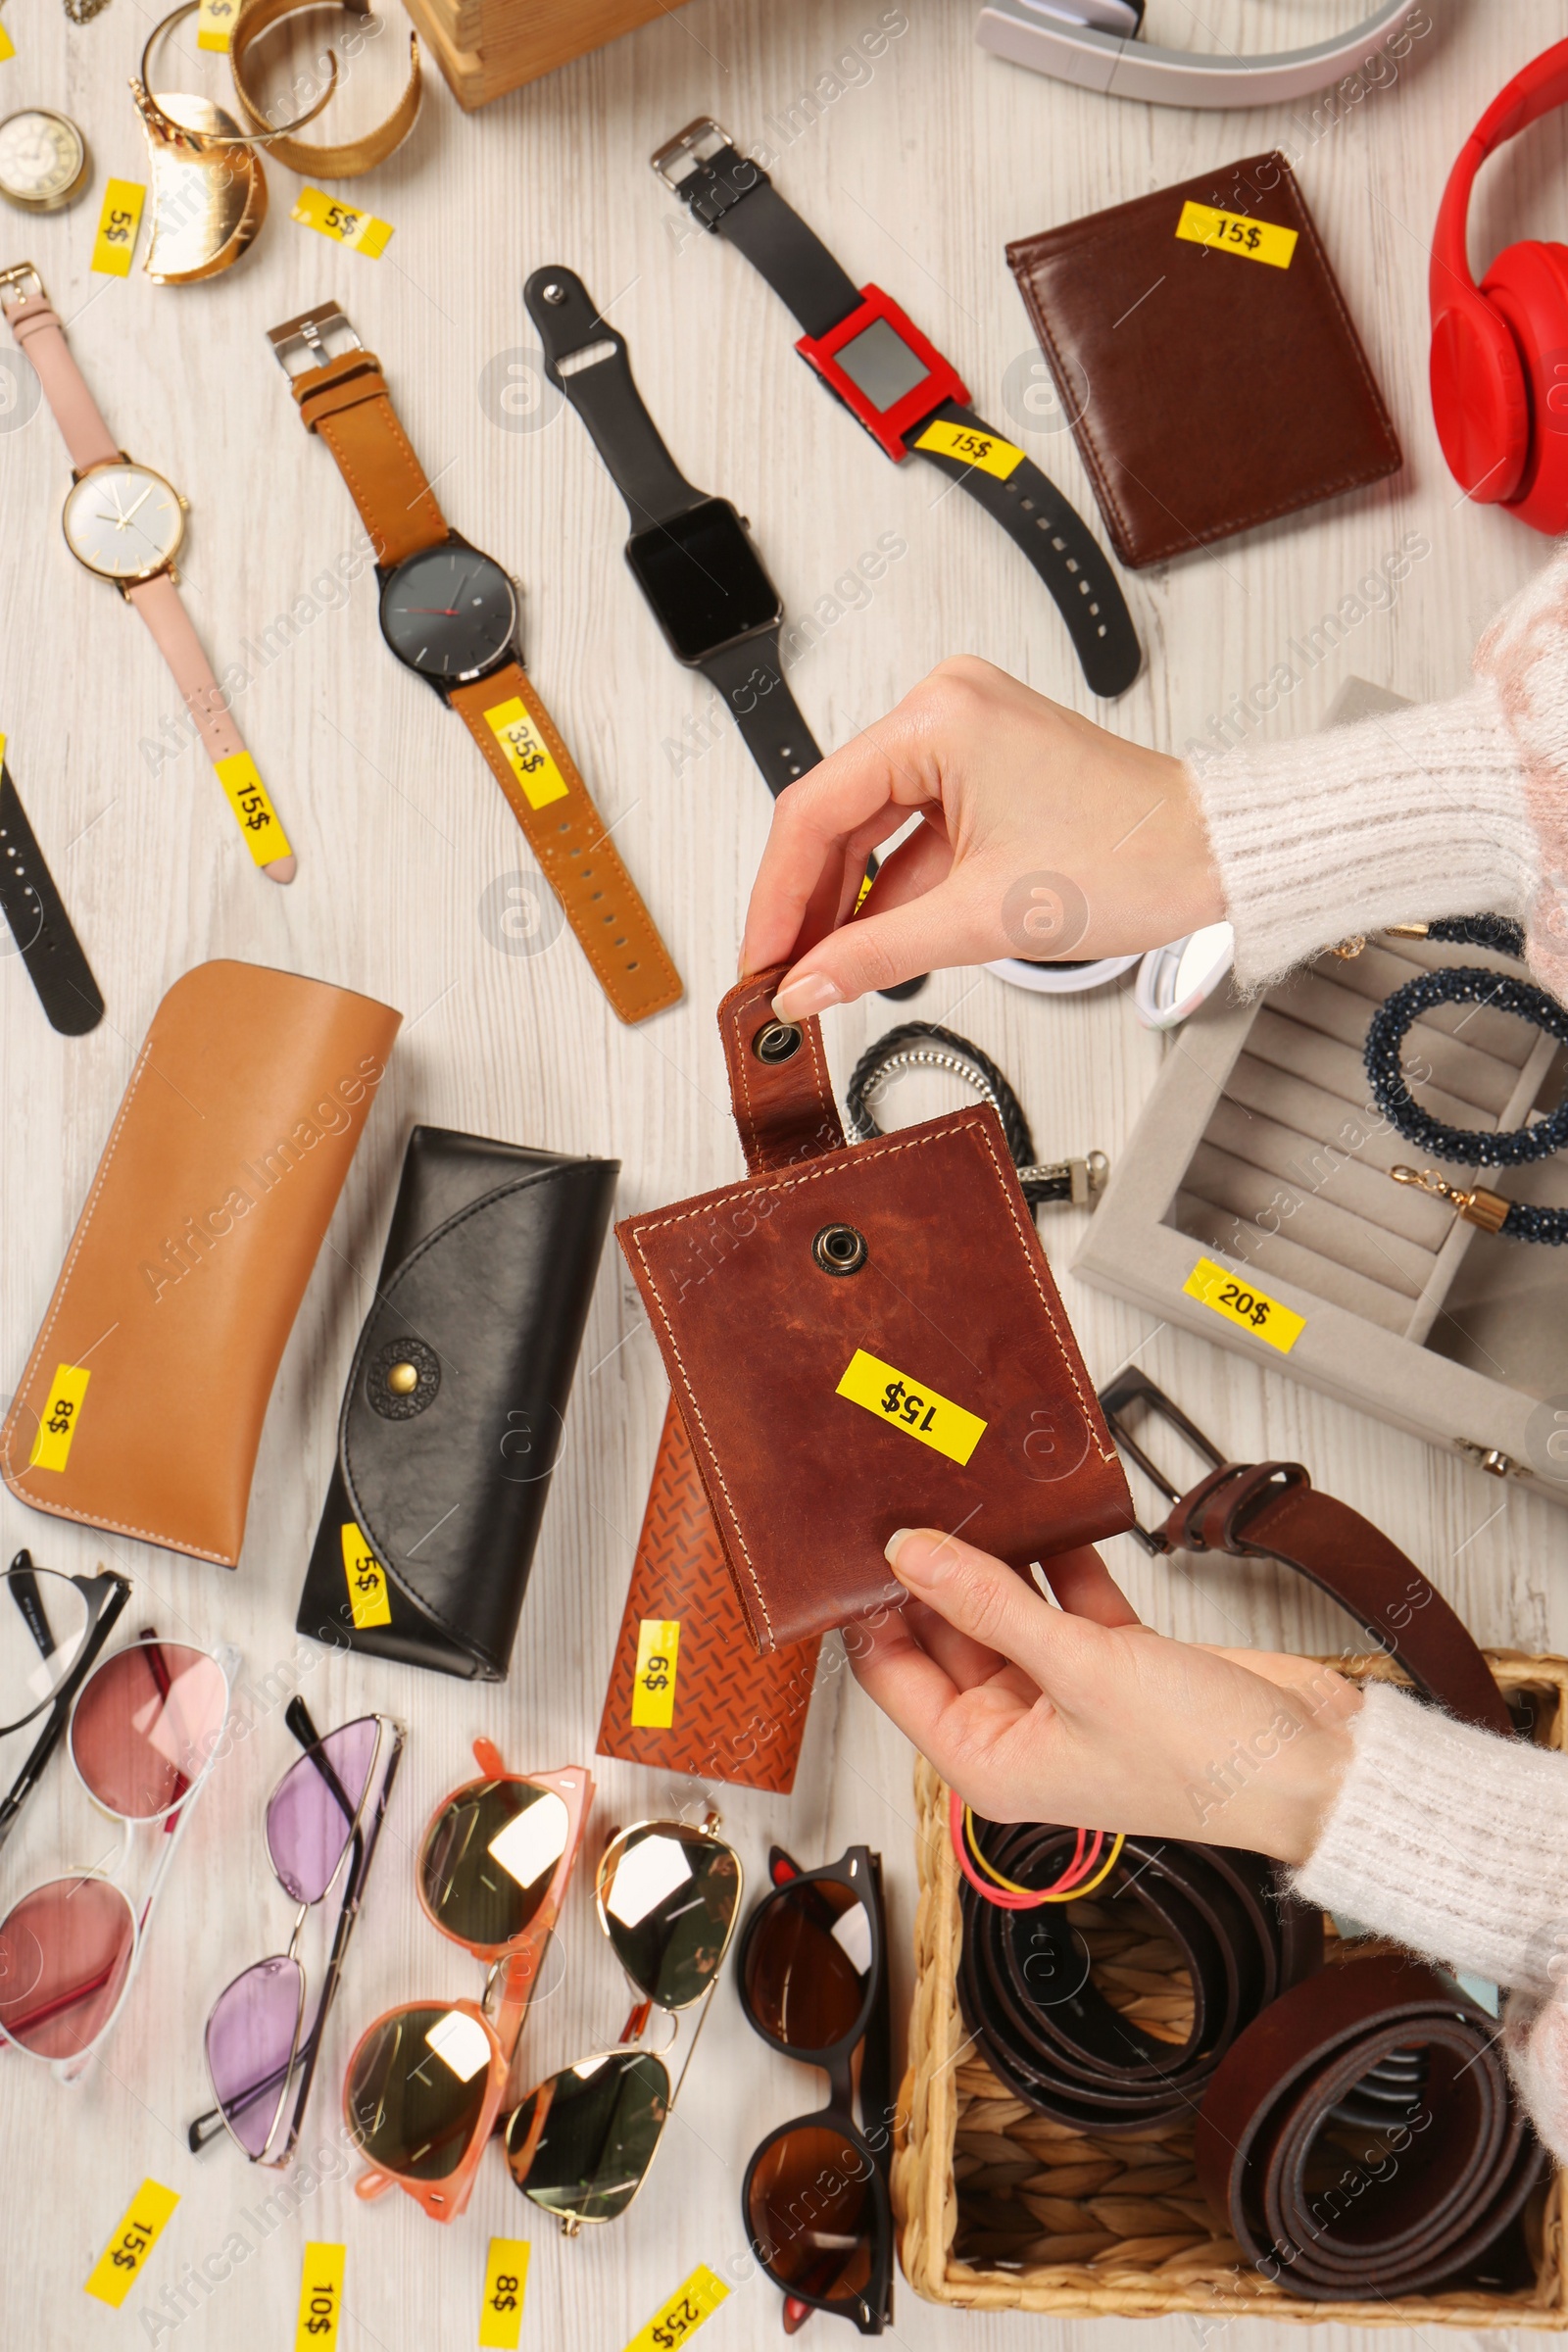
(1448,1839)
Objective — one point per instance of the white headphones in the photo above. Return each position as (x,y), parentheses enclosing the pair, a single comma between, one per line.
(1093,44)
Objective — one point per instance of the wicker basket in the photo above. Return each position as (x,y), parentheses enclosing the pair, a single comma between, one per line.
(999,2209)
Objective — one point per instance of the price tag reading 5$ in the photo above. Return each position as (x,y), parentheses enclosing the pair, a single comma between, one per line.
(688,2307)
(653,1689)
(118,223)
(1244,1304)
(51,1448)
(506,2275)
(526,751)
(213,19)
(986,452)
(936,1421)
(320,2299)
(369,1598)
(121,2263)
(1237,232)
(345,222)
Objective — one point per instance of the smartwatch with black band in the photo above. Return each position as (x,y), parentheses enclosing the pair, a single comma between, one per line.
(905,393)
(39,924)
(691,555)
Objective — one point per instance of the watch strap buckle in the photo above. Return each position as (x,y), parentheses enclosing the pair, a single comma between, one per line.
(700,141)
(322,334)
(17,275)
(689,164)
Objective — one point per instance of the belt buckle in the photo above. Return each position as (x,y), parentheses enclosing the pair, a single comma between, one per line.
(16,276)
(1136,1388)
(309,332)
(697,144)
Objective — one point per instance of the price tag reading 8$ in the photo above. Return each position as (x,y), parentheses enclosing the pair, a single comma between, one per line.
(693,2302)
(506,2275)
(57,1425)
(1245,1306)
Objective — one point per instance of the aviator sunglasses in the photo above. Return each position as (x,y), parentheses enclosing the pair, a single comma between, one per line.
(324,1820)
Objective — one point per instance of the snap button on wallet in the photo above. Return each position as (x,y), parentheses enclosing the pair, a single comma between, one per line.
(140,1410)
(865,1337)
(1202,346)
(456,1400)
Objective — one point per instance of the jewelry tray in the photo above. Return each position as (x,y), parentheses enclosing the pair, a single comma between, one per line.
(1261,1150)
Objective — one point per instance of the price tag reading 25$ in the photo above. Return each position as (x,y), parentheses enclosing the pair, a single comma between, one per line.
(694,2301)
(904,1404)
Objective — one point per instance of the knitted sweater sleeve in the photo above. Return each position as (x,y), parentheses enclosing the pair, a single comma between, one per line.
(1455,1843)
(1457,807)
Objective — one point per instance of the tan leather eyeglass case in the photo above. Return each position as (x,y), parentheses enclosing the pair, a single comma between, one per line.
(140,1410)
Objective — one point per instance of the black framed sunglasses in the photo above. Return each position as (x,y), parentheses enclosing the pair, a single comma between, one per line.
(813,1983)
(52,1629)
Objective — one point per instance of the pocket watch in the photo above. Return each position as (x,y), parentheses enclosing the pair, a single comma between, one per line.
(43,159)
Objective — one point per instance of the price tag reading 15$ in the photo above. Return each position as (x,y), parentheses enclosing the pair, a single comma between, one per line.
(906,1405)
(121,2264)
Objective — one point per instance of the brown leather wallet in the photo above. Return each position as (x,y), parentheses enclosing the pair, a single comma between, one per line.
(686,1691)
(1202,346)
(865,1338)
(140,1409)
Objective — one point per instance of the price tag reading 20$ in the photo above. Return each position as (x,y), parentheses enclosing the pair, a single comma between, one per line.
(902,1403)
(1246,1306)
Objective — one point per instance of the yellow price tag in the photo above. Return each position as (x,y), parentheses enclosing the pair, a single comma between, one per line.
(118,222)
(1244,1304)
(121,2263)
(527,754)
(506,2275)
(214,21)
(693,2302)
(1238,233)
(936,1421)
(360,231)
(7,45)
(368,1597)
(51,1448)
(988,453)
(320,2299)
(653,1689)
(259,821)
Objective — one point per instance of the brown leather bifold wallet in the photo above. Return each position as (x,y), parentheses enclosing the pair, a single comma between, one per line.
(140,1409)
(865,1337)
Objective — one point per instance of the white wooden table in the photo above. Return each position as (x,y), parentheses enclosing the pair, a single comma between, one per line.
(917,176)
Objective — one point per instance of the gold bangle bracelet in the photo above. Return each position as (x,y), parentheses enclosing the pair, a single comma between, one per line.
(350,157)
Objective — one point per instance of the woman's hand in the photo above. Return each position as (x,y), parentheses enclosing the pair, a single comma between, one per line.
(1082,1715)
(1043,836)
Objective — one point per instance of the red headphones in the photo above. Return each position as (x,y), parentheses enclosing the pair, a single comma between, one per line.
(1499,351)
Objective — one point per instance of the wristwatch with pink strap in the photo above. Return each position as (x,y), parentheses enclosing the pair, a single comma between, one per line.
(126,524)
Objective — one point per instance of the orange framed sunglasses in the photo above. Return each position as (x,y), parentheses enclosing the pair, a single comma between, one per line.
(427,2081)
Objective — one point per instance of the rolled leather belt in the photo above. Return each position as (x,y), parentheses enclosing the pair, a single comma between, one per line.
(1048,2032)
(1347,2207)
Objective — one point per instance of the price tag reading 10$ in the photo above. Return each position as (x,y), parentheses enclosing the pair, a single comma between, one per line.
(320,2299)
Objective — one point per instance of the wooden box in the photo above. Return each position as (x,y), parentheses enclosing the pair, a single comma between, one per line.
(485,47)
(999,2209)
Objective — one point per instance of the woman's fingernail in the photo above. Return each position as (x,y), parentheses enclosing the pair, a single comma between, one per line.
(917,1564)
(895,1544)
(812,993)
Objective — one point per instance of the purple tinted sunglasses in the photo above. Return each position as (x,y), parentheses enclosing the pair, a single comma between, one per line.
(322,1823)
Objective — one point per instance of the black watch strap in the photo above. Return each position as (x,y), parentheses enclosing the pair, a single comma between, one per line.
(750,677)
(598,380)
(734,197)
(40,926)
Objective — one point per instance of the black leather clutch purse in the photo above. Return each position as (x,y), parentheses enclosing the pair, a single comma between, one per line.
(452,1415)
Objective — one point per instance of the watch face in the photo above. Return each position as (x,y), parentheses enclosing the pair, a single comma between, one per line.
(449,612)
(702,576)
(42,159)
(881,365)
(123,521)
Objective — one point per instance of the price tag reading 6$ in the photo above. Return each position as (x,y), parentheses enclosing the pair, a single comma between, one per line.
(369,1598)
(51,1448)
(320,2299)
(506,2275)
(121,2263)
(1244,1304)
(893,1397)
(693,2302)
(653,1689)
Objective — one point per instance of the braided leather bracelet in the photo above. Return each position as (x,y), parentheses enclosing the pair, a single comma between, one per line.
(921,1045)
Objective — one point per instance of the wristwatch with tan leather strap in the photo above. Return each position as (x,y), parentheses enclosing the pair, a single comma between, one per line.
(126,524)
(450,613)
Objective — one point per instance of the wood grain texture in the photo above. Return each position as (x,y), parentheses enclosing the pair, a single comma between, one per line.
(917,175)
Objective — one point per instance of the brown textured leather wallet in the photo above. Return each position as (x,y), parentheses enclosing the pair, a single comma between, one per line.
(686,1692)
(142,1406)
(864,1338)
(1200,343)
